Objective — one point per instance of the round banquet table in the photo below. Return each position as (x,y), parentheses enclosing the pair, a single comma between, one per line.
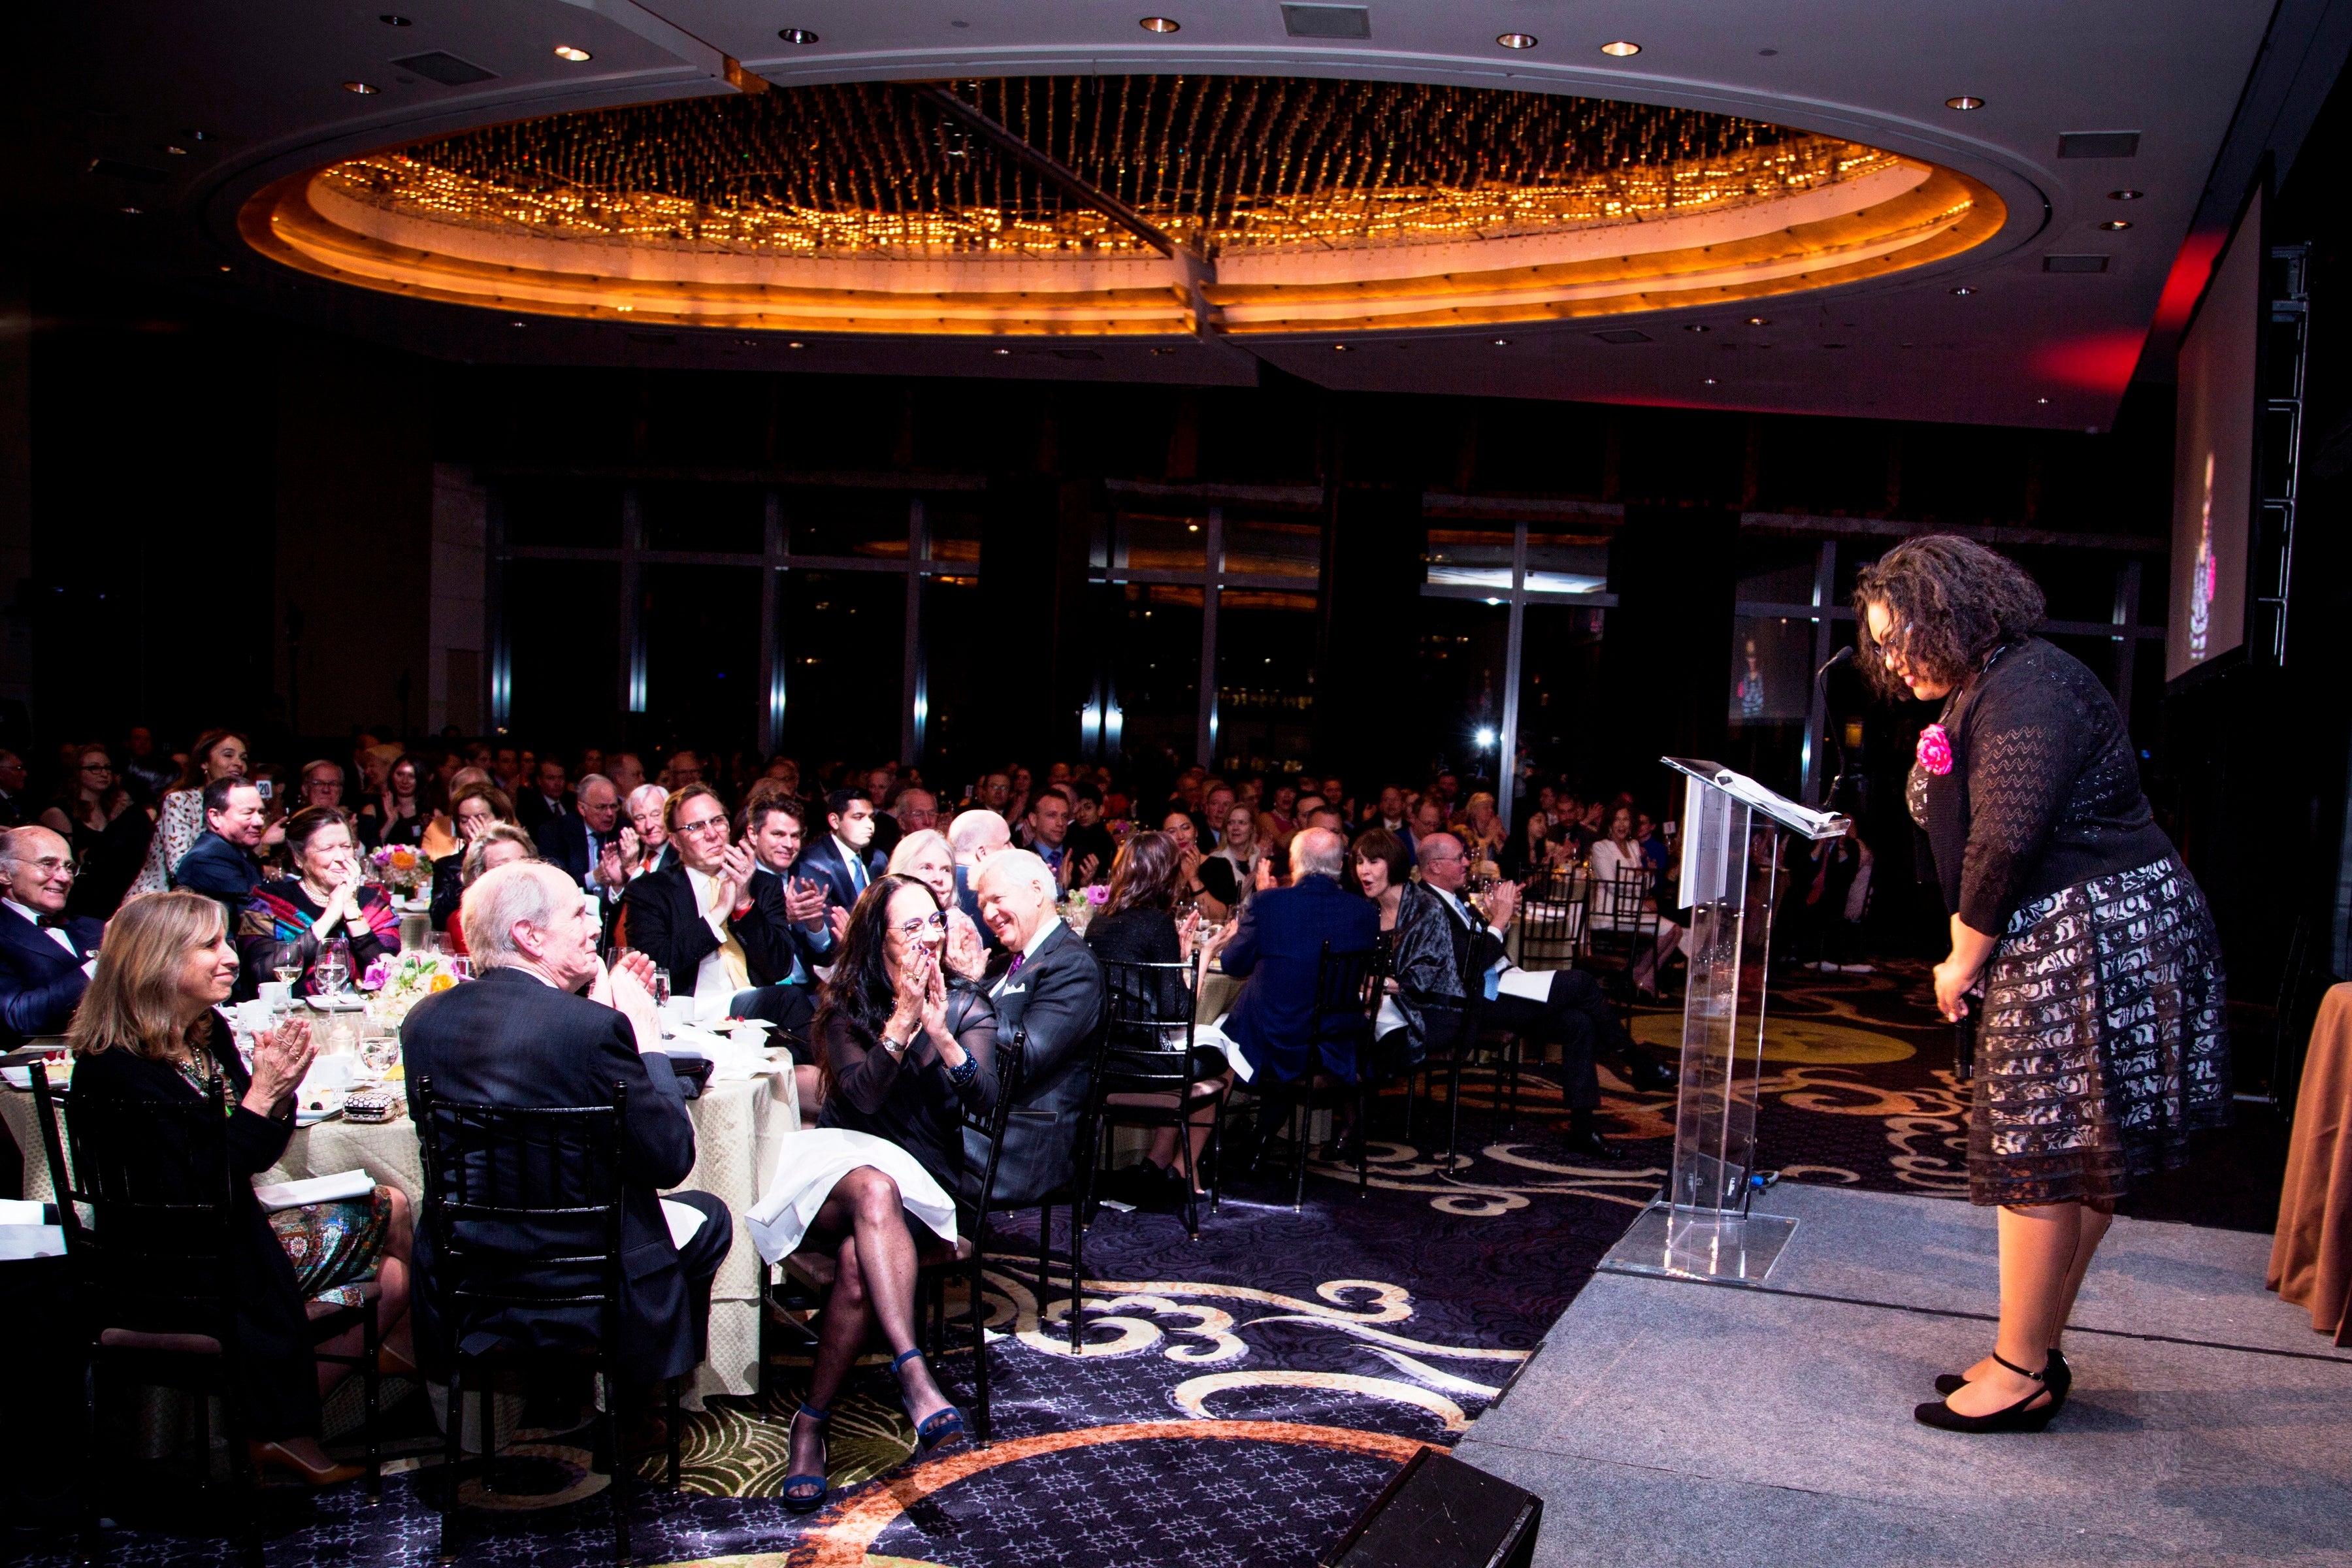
(740,1128)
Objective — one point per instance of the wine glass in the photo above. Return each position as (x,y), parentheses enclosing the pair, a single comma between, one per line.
(334,970)
(289,970)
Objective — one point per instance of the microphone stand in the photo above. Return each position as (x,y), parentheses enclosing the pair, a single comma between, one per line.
(1836,733)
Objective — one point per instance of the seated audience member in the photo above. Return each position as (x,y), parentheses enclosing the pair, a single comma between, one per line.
(683,768)
(1179,827)
(398,814)
(223,864)
(148,769)
(1531,854)
(1278,948)
(474,807)
(45,957)
(179,818)
(1137,924)
(1573,1013)
(522,1034)
(909,1048)
(586,842)
(500,844)
(976,834)
(1277,821)
(843,858)
(1615,856)
(1423,1005)
(1017,802)
(1051,987)
(772,832)
(1481,830)
(546,798)
(106,837)
(711,921)
(627,772)
(917,810)
(929,859)
(1217,800)
(1045,833)
(148,1029)
(1089,841)
(645,841)
(285,922)
(1428,817)
(882,789)
(992,793)
(322,784)
(1230,872)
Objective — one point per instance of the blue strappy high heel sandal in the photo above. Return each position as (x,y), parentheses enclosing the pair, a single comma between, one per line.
(805,1493)
(943,1426)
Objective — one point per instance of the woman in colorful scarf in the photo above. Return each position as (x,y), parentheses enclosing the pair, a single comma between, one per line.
(289,921)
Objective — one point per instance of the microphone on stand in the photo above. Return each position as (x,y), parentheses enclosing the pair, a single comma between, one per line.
(1837,734)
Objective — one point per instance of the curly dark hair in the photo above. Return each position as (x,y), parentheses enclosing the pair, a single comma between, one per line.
(1953,601)
(859,987)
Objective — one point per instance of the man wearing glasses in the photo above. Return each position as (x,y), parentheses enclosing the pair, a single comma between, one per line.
(708,920)
(44,958)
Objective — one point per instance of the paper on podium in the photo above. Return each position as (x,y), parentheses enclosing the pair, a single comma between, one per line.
(1796,819)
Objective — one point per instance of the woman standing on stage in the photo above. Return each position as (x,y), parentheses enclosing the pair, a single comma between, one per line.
(2077,935)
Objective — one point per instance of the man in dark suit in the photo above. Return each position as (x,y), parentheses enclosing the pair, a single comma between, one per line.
(1571,1012)
(523,1035)
(1050,990)
(844,858)
(1279,948)
(544,798)
(710,921)
(586,842)
(221,865)
(772,831)
(44,958)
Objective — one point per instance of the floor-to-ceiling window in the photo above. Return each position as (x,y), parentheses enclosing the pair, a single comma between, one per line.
(734,614)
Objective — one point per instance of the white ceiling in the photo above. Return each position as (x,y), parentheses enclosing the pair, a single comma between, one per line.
(262,80)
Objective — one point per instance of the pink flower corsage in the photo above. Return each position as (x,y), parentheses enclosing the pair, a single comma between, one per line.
(1936,750)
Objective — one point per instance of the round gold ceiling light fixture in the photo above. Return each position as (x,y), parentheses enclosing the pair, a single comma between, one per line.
(1243,206)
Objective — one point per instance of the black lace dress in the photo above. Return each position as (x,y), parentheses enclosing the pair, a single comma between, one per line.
(2101,1043)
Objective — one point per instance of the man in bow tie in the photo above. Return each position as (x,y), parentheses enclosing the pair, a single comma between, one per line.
(44,958)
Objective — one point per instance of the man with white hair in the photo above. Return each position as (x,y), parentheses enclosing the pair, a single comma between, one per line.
(645,842)
(44,958)
(1278,948)
(523,1035)
(974,836)
(1050,992)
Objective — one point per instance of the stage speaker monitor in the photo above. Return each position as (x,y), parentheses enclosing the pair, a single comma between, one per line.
(1439,1512)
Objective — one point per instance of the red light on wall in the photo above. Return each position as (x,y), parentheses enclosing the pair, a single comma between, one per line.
(2101,362)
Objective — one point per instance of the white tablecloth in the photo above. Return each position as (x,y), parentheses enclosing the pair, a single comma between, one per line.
(739,1132)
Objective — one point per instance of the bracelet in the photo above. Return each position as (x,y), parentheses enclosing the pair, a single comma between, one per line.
(963,1075)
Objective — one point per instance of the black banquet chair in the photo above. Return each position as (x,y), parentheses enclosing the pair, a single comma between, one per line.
(1346,994)
(154,1272)
(1143,1075)
(494,1171)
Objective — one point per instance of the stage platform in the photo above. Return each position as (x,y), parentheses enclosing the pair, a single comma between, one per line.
(1668,1421)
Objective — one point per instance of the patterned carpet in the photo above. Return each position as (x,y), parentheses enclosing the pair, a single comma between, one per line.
(1239,1399)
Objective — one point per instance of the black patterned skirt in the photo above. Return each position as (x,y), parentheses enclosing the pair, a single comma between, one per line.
(2104,1042)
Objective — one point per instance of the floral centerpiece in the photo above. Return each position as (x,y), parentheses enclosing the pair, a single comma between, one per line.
(1080,906)
(394,983)
(402,867)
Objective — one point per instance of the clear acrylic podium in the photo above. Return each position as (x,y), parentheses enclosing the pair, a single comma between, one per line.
(1701,1224)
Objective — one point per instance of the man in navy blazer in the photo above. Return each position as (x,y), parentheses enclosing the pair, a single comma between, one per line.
(44,958)
(586,842)
(844,857)
(221,864)
(522,1036)
(1048,991)
(1279,948)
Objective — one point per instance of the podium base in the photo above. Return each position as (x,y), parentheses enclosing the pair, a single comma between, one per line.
(1701,1244)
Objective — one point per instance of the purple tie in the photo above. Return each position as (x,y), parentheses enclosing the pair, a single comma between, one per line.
(1016,965)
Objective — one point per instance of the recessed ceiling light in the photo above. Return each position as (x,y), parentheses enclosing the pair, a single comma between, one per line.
(2040,400)
(518,323)
(174,150)
(1160,24)
(226,268)
(1963,290)
(1760,322)
(1163,349)
(1502,342)
(392,20)
(1695,327)
(2125,196)
(566,52)
(1711,380)
(796,35)
(797,345)
(1340,347)
(134,212)
(1516,41)
(1005,352)
(1621,49)
(1964,101)
(362,89)
(2117,223)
